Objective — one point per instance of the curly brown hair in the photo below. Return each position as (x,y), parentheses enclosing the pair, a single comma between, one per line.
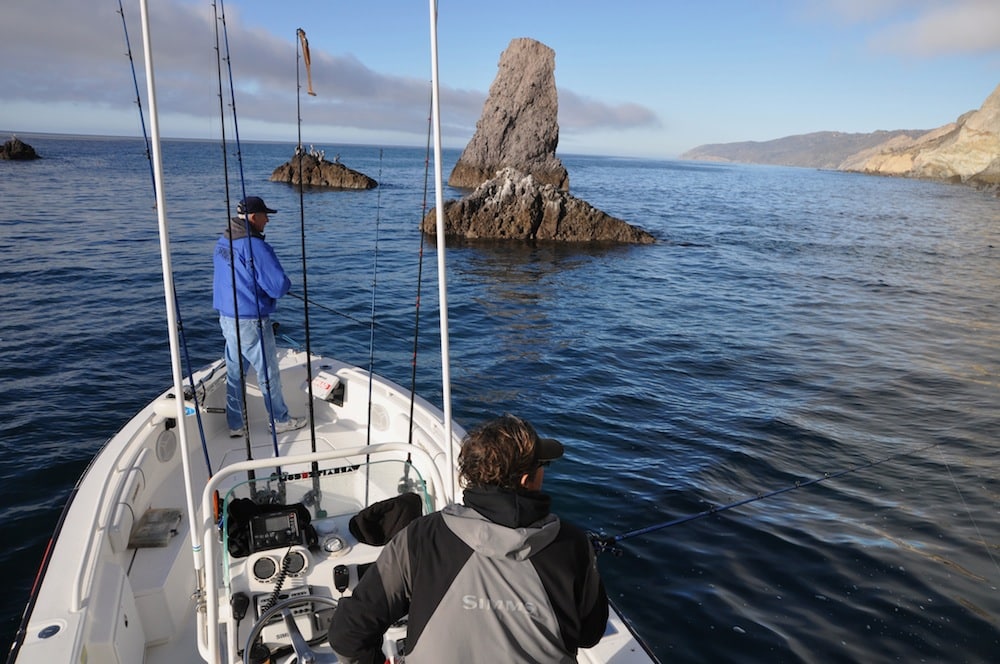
(498,453)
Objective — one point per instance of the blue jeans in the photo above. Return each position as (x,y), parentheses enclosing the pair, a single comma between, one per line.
(263,357)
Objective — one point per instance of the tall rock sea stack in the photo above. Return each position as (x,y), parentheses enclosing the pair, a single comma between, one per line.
(967,150)
(518,127)
(520,189)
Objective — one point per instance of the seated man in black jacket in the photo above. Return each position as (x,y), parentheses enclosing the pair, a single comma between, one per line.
(499,578)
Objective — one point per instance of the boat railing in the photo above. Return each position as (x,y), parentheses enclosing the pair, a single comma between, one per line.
(107,500)
(299,467)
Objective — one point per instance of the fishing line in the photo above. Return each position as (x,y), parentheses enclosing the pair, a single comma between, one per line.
(176,302)
(968,513)
(603,542)
(382,328)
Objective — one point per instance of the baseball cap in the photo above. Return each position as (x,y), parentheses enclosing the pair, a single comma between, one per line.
(253,204)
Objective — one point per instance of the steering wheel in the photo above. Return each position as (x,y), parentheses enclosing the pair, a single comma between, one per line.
(303,653)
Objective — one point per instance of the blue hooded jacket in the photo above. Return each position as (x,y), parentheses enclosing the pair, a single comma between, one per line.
(259,283)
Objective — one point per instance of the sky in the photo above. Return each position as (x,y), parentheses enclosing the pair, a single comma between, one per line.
(635,78)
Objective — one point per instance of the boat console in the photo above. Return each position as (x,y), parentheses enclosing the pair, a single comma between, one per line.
(298,575)
(289,554)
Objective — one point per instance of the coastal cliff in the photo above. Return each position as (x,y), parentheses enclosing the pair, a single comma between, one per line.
(822,149)
(966,150)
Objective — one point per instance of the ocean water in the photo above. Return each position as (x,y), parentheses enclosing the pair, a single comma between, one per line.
(802,375)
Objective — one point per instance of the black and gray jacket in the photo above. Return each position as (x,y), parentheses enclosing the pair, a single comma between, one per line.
(496,579)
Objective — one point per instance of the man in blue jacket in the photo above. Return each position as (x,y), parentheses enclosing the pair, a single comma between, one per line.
(497,579)
(246,307)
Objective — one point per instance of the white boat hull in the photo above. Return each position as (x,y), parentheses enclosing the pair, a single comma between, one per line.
(111,591)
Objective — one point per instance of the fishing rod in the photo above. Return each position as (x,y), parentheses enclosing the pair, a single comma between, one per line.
(251,474)
(406,483)
(138,97)
(302,52)
(604,543)
(264,380)
(420,263)
(371,334)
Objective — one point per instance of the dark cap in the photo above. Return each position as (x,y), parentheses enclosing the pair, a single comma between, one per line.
(548,449)
(252,204)
(502,451)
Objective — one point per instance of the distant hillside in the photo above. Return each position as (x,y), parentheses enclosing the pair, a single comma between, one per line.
(823,149)
(966,150)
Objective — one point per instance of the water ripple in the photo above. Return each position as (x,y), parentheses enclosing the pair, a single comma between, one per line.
(789,325)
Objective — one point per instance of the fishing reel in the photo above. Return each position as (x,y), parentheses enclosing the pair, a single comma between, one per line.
(603,542)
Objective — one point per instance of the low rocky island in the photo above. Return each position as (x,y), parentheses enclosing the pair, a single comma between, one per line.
(17,150)
(313,170)
(515,206)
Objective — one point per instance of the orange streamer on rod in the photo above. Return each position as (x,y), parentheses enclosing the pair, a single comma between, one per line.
(307,58)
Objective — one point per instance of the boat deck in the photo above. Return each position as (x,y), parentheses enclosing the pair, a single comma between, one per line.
(136,602)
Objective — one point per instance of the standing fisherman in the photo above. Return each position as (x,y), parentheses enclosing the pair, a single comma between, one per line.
(260,281)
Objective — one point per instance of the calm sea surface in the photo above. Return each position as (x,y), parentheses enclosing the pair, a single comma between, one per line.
(789,325)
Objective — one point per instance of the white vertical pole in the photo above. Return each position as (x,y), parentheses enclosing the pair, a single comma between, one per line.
(168,292)
(442,271)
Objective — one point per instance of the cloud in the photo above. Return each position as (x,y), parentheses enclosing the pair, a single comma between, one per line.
(54,52)
(59,54)
(970,26)
(855,11)
(578,113)
(924,28)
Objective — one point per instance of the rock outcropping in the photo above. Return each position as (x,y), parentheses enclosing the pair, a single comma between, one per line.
(519,124)
(316,171)
(516,206)
(966,151)
(16,149)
